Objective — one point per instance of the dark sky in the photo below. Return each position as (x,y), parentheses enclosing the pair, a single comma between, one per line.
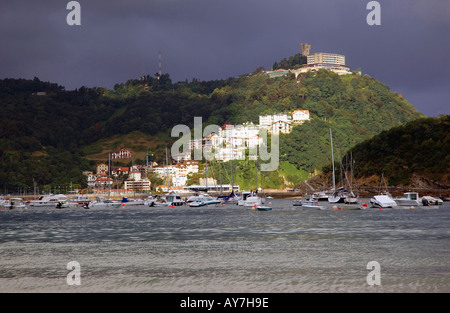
(214,39)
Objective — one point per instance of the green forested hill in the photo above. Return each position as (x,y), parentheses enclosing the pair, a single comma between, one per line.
(420,148)
(47,138)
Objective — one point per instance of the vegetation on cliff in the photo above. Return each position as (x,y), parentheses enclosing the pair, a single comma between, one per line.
(48,139)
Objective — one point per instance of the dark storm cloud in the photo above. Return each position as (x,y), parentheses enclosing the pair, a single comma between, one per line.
(213,39)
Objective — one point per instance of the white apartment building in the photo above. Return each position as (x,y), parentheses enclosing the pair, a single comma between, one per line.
(230,153)
(232,140)
(179,180)
(136,182)
(177,173)
(266,121)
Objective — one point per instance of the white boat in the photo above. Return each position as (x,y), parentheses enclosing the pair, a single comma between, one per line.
(64,204)
(316,206)
(174,199)
(350,198)
(83,200)
(382,201)
(408,199)
(47,200)
(301,202)
(130,202)
(17,203)
(204,199)
(196,198)
(196,203)
(102,203)
(4,203)
(250,199)
(338,196)
(310,203)
(232,198)
(156,201)
(320,196)
(428,200)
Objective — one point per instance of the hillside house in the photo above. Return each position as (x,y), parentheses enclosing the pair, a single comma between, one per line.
(121,154)
(300,116)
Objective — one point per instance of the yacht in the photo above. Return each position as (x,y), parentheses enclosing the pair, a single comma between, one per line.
(202,199)
(197,197)
(102,203)
(47,200)
(250,199)
(174,199)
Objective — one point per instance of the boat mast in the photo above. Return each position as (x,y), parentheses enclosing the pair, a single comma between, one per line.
(332,159)
(220,178)
(109,174)
(206,163)
(256,172)
(231,169)
(167,172)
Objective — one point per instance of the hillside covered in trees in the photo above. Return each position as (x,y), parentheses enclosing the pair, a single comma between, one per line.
(48,139)
(408,154)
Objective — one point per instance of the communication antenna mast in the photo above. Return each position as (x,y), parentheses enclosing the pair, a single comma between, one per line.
(159,64)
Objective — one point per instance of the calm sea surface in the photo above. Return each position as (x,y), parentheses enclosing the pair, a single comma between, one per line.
(225,249)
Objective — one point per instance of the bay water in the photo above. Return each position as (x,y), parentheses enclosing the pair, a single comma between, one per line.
(226,249)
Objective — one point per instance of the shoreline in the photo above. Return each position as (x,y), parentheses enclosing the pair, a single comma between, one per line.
(363,192)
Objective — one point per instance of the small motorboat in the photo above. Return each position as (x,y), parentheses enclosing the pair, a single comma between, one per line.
(312,203)
(197,203)
(263,208)
(428,200)
(382,201)
(408,199)
(17,203)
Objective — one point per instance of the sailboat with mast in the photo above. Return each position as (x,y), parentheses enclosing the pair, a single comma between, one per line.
(172,198)
(383,199)
(251,198)
(341,194)
(350,197)
(101,202)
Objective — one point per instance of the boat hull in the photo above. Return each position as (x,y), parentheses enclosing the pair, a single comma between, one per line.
(382,202)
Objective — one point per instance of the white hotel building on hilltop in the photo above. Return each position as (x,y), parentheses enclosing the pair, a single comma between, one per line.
(328,61)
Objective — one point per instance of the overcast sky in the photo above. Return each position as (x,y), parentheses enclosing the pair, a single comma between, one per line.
(215,39)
